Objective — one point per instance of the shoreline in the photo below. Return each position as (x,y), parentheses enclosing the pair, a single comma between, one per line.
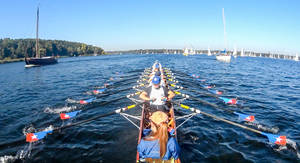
(11,60)
(4,61)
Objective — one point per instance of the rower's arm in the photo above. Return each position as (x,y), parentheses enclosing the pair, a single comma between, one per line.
(171,94)
(150,78)
(144,96)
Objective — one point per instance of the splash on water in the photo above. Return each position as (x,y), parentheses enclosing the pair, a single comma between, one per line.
(59,109)
(21,155)
(69,100)
(49,128)
(264,128)
(290,146)
(28,129)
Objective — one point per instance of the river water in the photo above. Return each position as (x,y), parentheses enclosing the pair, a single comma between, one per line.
(31,99)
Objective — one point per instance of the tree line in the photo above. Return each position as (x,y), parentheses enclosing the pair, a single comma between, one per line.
(19,48)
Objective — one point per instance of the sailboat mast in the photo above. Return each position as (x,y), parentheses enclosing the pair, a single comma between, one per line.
(37,35)
(224,23)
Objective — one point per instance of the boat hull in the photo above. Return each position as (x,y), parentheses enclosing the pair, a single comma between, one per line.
(31,62)
(223,58)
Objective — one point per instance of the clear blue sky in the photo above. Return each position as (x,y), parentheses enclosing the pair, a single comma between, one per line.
(134,24)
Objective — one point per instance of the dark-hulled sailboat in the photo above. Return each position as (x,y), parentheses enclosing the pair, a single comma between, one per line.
(38,60)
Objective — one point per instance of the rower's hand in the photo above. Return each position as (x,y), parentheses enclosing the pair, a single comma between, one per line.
(152,99)
(164,99)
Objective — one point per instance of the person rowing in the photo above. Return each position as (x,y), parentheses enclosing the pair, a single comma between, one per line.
(157,95)
(159,74)
(158,144)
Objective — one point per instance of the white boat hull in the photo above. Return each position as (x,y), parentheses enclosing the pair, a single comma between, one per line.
(223,58)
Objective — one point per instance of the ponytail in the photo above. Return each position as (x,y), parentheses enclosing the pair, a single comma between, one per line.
(162,135)
(163,138)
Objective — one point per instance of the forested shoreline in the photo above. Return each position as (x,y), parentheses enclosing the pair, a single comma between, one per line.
(14,49)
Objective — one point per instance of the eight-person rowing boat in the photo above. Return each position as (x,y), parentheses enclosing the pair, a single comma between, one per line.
(157,136)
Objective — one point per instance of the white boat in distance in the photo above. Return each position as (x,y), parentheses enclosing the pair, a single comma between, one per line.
(296,57)
(223,56)
(234,52)
(208,53)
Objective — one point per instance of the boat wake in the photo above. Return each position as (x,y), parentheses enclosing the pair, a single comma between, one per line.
(26,151)
(22,154)
(31,129)
(69,100)
(264,128)
(59,109)
(291,146)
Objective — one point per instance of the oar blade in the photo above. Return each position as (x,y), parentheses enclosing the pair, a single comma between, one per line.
(216,92)
(69,115)
(206,86)
(276,139)
(32,137)
(245,117)
(87,101)
(231,101)
(97,91)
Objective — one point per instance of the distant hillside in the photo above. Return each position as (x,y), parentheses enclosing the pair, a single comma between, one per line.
(19,48)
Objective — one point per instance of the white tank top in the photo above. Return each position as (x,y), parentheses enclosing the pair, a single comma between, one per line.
(158,94)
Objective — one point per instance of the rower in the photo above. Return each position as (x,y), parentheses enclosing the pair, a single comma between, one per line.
(157,144)
(157,73)
(157,95)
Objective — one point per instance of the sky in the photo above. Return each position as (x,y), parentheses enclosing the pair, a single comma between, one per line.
(259,25)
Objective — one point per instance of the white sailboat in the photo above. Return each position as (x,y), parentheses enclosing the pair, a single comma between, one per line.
(296,57)
(186,52)
(208,53)
(234,52)
(242,53)
(223,56)
(192,51)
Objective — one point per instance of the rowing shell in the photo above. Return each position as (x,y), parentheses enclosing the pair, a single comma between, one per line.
(172,124)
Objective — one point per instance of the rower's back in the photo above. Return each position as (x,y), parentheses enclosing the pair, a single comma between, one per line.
(158,145)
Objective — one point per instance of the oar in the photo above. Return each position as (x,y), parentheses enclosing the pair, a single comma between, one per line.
(230,101)
(93,99)
(276,139)
(242,117)
(215,92)
(111,83)
(69,115)
(205,86)
(32,137)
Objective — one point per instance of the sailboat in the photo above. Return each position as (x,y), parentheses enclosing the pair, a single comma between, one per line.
(242,53)
(186,52)
(192,51)
(208,52)
(38,60)
(296,57)
(223,56)
(234,52)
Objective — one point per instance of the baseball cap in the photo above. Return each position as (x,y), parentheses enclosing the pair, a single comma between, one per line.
(156,80)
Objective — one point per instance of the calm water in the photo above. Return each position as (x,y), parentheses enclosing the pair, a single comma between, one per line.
(31,98)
